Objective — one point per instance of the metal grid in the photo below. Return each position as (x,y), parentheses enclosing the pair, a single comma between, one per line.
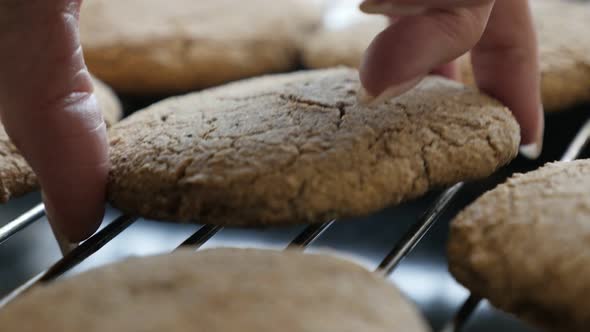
(311,233)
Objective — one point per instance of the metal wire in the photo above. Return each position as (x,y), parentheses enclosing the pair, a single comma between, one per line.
(470,305)
(201,236)
(21,222)
(76,256)
(89,247)
(418,230)
(309,235)
(578,144)
(20,290)
(405,246)
(463,315)
(28,218)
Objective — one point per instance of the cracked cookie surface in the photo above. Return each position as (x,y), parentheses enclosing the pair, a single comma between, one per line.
(16,176)
(219,290)
(525,246)
(161,47)
(298,148)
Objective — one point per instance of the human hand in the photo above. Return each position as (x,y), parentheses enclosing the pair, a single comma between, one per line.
(49,110)
(427,35)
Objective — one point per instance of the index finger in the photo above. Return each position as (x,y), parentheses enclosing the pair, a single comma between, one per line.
(50,112)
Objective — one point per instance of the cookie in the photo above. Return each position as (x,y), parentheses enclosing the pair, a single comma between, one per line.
(16,176)
(219,290)
(564,51)
(525,246)
(154,46)
(298,147)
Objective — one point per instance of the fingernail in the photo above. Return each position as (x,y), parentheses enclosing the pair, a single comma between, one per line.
(386,7)
(533,151)
(365,98)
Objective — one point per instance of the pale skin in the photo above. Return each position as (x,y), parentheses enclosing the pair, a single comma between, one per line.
(427,35)
(49,110)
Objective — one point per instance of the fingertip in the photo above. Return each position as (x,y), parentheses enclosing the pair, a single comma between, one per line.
(379,83)
(79,214)
(72,167)
(379,68)
(416,45)
(369,62)
(381,74)
(393,91)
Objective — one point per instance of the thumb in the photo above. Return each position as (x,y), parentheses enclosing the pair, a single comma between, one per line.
(50,112)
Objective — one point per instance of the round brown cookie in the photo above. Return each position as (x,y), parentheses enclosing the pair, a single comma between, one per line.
(154,46)
(298,147)
(564,52)
(343,45)
(220,290)
(526,246)
(16,176)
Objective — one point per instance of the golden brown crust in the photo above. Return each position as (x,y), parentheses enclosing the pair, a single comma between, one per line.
(16,176)
(298,148)
(221,290)
(154,46)
(525,246)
